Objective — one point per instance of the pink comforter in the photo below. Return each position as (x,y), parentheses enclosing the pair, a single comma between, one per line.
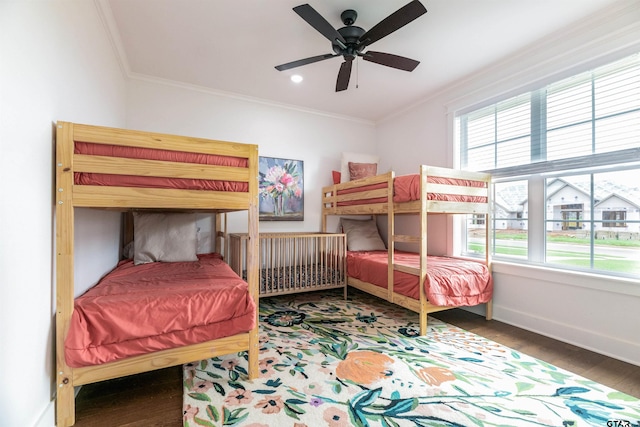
(89,178)
(450,281)
(138,309)
(406,188)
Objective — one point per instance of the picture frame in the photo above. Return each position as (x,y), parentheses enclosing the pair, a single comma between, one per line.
(281,189)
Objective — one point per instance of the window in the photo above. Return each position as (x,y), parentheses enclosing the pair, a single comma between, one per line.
(614,218)
(566,165)
(477,220)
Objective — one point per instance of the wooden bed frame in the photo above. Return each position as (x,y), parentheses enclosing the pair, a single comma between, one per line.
(422,207)
(70,196)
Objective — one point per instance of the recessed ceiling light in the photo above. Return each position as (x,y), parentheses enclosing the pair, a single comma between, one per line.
(296,78)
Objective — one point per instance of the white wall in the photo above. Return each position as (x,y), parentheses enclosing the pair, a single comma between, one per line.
(318,140)
(56,64)
(594,312)
(422,133)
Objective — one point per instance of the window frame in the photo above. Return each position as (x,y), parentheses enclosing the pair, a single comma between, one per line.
(539,168)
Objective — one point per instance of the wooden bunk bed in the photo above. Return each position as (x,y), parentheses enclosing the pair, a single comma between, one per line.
(434,190)
(87,176)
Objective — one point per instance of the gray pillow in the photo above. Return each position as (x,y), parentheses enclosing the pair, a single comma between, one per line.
(362,235)
(167,237)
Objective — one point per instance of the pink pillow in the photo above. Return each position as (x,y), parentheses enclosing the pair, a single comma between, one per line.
(362,170)
(336,176)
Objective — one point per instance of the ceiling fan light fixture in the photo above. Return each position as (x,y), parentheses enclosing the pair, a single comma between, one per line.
(296,78)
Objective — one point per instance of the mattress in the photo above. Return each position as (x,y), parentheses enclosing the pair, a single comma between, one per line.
(138,309)
(88,178)
(406,188)
(449,282)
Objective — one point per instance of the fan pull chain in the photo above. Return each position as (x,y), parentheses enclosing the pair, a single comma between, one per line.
(357,72)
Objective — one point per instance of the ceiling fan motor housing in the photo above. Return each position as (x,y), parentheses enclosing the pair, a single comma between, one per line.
(351,35)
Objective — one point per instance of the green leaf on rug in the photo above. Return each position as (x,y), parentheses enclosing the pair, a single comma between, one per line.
(200,396)
(399,406)
(618,395)
(202,422)
(213,413)
(522,386)
(236,385)
(219,389)
(559,376)
(274,383)
(524,412)
(234,417)
(293,410)
(365,398)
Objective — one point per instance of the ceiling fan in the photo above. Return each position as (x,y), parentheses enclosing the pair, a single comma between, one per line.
(351,41)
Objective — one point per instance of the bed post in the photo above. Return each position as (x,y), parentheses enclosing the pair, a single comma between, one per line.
(391,236)
(253,250)
(488,242)
(218,236)
(423,249)
(65,403)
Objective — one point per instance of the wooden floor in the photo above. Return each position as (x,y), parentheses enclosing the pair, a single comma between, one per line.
(155,398)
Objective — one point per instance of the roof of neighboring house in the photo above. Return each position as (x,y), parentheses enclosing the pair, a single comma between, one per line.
(512,197)
(616,196)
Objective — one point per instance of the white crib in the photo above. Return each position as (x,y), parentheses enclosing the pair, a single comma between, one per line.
(294,262)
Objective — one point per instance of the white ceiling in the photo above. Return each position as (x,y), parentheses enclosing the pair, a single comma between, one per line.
(232,46)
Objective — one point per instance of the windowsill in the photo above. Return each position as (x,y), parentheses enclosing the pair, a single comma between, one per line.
(620,285)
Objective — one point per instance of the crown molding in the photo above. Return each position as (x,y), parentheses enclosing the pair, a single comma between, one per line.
(108,21)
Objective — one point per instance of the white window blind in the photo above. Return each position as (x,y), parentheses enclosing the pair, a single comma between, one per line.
(580,118)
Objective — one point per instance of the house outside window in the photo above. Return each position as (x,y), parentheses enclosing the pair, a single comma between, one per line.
(566,165)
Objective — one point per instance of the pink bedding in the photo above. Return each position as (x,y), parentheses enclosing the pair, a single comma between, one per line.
(450,281)
(86,178)
(138,309)
(406,188)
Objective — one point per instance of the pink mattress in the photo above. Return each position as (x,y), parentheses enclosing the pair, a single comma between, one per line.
(86,178)
(138,309)
(450,281)
(406,188)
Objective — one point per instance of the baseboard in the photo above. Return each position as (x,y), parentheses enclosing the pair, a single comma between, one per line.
(599,343)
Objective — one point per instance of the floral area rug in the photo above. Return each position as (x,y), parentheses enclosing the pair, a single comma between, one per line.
(329,362)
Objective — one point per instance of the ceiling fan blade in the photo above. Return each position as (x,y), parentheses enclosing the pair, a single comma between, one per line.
(393,22)
(305,61)
(316,20)
(344,75)
(393,61)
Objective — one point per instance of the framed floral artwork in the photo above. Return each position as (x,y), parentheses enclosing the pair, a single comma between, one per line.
(281,189)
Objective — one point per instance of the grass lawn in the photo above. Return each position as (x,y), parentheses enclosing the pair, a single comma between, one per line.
(601,261)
